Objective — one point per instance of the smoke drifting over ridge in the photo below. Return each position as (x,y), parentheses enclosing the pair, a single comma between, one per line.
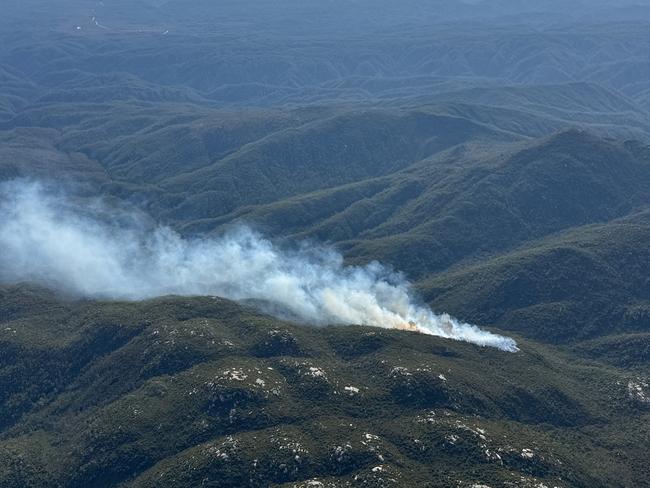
(96,252)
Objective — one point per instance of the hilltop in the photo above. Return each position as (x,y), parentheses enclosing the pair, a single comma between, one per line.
(184,391)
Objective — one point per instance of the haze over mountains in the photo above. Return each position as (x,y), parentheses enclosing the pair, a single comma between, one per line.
(495,152)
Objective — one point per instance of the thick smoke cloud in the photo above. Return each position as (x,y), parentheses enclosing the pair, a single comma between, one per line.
(98,252)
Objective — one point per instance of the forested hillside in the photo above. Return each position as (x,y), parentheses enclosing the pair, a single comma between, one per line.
(495,153)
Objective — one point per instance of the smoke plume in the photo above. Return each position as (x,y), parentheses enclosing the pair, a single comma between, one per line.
(95,251)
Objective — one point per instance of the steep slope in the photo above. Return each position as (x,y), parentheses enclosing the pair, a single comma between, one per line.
(586,104)
(468,202)
(581,284)
(326,153)
(33,153)
(184,391)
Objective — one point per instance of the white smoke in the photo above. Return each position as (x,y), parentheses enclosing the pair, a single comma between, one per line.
(85,249)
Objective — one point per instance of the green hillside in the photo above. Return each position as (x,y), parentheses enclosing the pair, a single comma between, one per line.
(584,283)
(184,391)
(467,201)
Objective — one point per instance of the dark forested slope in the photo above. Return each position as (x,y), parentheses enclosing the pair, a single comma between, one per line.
(189,391)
